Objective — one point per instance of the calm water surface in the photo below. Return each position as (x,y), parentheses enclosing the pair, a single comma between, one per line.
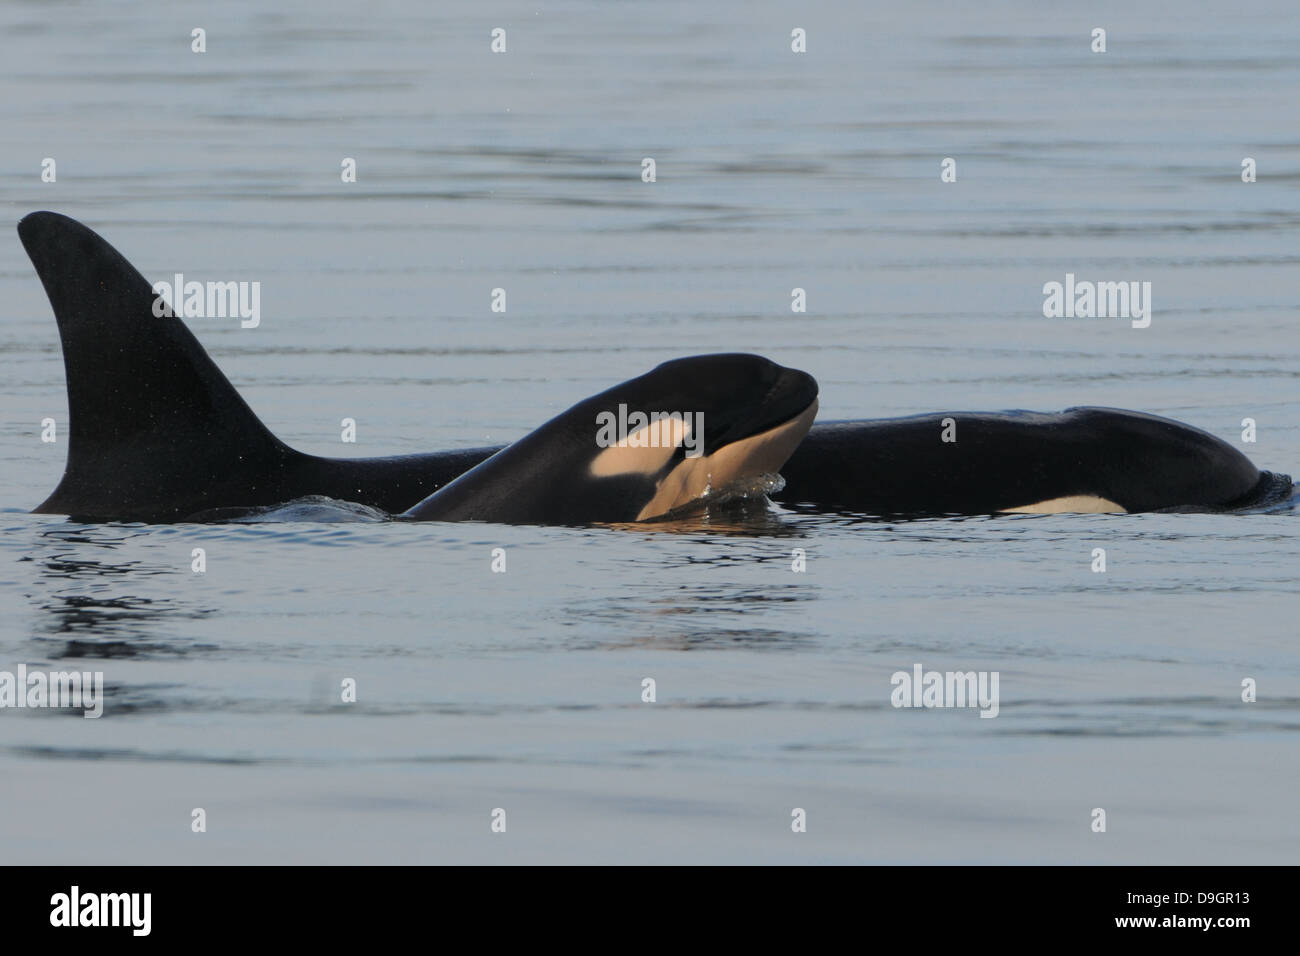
(523,690)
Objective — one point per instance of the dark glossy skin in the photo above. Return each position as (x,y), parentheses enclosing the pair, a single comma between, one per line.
(1012,459)
(157,432)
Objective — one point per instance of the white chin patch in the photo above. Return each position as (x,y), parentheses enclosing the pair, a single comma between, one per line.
(756,455)
(1071,504)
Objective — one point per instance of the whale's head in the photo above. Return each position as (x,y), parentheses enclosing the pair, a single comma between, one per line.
(695,425)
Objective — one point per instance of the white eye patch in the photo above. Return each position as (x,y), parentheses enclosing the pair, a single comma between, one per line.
(638,443)
(666,432)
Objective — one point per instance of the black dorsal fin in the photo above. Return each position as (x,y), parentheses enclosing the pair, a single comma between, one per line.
(156,431)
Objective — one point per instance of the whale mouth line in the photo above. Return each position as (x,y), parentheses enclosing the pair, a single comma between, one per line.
(788,398)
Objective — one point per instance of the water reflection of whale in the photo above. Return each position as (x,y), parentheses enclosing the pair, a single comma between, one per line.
(92,607)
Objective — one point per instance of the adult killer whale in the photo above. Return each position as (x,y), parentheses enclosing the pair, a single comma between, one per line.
(1078,460)
(157,433)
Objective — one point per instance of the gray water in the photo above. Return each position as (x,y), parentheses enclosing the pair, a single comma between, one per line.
(522,691)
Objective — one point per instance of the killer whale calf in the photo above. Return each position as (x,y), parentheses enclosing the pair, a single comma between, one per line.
(746,416)
(157,433)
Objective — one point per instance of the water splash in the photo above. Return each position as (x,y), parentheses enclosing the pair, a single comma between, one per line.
(315,509)
(754,488)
